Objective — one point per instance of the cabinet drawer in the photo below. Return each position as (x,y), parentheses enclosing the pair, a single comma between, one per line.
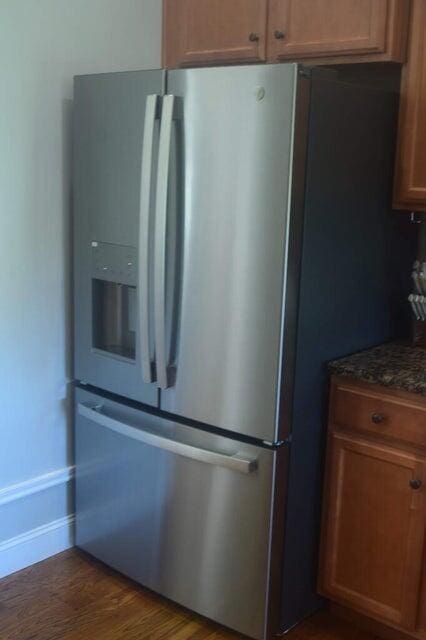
(379,413)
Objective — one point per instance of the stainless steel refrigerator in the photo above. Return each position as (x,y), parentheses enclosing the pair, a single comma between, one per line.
(230,238)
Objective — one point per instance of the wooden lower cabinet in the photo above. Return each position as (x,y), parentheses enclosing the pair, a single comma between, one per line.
(373,530)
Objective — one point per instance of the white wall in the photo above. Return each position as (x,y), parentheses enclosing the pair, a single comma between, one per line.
(43,44)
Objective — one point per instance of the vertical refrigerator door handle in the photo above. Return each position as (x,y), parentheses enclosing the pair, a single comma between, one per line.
(160,241)
(144,226)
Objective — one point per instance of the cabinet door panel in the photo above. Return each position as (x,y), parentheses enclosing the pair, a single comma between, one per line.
(213,31)
(373,529)
(410,174)
(314,28)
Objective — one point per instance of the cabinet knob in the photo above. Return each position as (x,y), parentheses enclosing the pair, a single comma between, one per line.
(279,35)
(253,37)
(377,418)
(415,484)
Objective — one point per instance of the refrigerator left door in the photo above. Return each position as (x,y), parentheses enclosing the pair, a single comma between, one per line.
(184,512)
(116,130)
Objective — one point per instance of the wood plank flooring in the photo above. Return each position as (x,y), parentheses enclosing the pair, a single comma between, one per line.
(73,597)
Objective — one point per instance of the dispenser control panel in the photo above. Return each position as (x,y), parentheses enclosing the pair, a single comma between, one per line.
(114,263)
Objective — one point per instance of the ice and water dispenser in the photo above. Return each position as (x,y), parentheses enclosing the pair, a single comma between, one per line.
(114,269)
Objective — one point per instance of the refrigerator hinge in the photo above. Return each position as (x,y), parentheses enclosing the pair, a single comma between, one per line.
(311,72)
(277,443)
(415,218)
(305,72)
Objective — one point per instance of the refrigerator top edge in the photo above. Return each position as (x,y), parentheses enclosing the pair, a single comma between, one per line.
(227,68)
(109,74)
(270,67)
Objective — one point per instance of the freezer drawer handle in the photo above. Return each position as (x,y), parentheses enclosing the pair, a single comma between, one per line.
(160,257)
(235,462)
(144,227)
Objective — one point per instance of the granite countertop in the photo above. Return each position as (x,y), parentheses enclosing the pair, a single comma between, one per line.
(390,365)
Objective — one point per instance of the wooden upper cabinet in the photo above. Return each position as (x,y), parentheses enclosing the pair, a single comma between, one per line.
(206,32)
(410,172)
(203,32)
(373,529)
(340,30)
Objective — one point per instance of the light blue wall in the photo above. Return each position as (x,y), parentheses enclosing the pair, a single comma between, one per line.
(43,44)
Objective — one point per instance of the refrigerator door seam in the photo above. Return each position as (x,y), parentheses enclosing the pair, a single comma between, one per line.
(160,240)
(288,210)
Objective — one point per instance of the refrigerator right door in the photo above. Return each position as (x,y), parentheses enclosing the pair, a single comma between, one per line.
(234,139)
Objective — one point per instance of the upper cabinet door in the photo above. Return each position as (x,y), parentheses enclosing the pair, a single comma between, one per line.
(334,28)
(202,32)
(410,173)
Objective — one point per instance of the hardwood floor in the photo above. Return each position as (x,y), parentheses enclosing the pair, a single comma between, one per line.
(73,597)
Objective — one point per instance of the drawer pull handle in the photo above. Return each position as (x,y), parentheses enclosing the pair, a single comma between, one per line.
(377,418)
(236,462)
(279,35)
(415,484)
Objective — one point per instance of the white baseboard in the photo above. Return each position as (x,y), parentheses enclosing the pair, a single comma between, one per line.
(36,545)
(34,485)
(40,542)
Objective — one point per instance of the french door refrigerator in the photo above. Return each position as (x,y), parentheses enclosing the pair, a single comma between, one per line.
(224,220)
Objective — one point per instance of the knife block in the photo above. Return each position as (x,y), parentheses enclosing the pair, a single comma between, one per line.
(419,333)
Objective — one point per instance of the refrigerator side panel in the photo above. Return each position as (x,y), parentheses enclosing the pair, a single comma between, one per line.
(236,129)
(344,295)
(289,333)
(109,117)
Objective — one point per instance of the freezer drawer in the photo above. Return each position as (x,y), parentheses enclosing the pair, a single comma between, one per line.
(183,512)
